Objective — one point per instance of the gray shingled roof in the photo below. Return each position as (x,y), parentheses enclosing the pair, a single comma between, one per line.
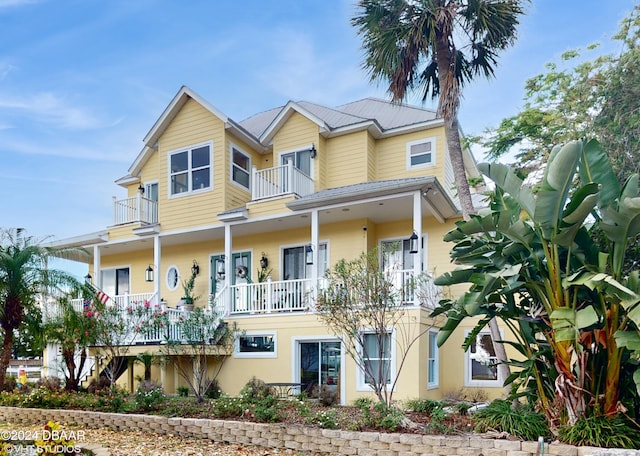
(387,115)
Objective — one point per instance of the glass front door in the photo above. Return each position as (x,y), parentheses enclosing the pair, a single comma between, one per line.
(320,367)
(397,264)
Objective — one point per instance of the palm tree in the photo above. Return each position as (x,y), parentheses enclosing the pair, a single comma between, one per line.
(23,277)
(436,46)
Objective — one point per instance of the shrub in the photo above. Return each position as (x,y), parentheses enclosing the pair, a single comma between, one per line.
(183,391)
(111,399)
(426,406)
(228,407)
(522,421)
(326,419)
(326,396)
(266,410)
(379,415)
(256,389)
(102,383)
(213,391)
(148,395)
(600,431)
(50,383)
(10,383)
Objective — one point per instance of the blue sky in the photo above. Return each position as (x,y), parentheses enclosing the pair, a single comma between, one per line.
(83,81)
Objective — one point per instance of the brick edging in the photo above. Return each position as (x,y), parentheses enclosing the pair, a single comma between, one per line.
(302,438)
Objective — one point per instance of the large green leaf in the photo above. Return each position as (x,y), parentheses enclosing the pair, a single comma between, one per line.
(506,179)
(454,277)
(567,322)
(604,283)
(582,202)
(596,167)
(554,190)
(628,339)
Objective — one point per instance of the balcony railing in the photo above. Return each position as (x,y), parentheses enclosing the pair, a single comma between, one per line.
(300,295)
(280,180)
(267,297)
(135,209)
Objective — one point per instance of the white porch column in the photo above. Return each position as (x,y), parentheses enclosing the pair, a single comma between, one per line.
(417,227)
(315,233)
(228,248)
(157,255)
(96,267)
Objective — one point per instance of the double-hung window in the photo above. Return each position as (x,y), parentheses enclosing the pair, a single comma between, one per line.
(240,167)
(433,365)
(190,169)
(481,362)
(377,359)
(421,153)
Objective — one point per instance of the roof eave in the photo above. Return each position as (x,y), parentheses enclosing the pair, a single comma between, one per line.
(429,186)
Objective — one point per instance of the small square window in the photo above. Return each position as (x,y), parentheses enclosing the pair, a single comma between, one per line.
(421,153)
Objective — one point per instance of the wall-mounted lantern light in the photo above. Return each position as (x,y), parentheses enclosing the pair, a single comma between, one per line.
(264,262)
(87,278)
(195,269)
(313,151)
(220,268)
(413,243)
(309,254)
(148,274)
(141,189)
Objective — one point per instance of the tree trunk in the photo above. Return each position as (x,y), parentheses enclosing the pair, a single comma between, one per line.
(448,108)
(7,348)
(71,383)
(452,131)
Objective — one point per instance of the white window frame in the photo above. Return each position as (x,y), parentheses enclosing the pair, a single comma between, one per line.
(468,358)
(361,384)
(147,184)
(232,166)
(236,344)
(114,269)
(189,149)
(433,363)
(296,151)
(432,162)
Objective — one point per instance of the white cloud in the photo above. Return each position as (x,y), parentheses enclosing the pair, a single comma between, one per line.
(51,108)
(75,150)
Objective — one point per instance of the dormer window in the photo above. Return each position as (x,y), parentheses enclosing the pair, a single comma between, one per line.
(190,169)
(421,153)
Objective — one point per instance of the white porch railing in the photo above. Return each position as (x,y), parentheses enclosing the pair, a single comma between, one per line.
(135,209)
(266,297)
(280,180)
(300,294)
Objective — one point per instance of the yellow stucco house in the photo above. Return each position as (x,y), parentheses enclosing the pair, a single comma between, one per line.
(289,191)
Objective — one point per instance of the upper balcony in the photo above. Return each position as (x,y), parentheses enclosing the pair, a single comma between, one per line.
(136,209)
(278,181)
